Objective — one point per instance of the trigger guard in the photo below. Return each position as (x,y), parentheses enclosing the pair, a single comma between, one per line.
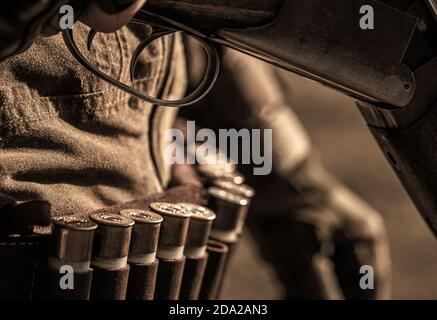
(207,83)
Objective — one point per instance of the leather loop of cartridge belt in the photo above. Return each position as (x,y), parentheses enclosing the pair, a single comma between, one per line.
(25,218)
(111,247)
(24,240)
(145,235)
(20,257)
(199,229)
(230,210)
(174,229)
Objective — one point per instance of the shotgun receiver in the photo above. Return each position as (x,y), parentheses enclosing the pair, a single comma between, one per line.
(390,70)
(319,39)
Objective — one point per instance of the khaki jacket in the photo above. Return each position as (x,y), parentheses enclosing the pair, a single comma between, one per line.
(71,139)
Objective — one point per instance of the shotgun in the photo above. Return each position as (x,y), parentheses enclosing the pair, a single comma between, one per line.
(391,70)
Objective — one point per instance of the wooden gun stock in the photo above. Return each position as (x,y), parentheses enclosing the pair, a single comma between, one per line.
(215,14)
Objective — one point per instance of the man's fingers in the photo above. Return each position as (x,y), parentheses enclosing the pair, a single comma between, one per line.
(361,241)
(110,15)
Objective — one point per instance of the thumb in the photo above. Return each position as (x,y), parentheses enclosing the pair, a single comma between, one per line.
(110,15)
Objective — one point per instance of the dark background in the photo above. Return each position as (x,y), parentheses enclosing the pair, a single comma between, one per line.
(349,152)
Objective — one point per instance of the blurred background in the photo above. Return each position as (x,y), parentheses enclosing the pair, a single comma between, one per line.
(349,152)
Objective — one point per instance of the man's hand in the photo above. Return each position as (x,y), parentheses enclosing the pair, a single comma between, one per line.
(21,22)
(110,15)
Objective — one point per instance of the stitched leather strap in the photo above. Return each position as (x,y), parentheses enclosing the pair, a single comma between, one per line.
(19,219)
(20,257)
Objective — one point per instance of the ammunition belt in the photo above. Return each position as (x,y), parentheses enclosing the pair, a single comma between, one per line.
(171,250)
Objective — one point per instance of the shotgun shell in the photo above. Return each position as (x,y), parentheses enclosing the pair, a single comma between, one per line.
(211,172)
(242,190)
(239,189)
(71,243)
(199,230)
(174,229)
(215,162)
(145,235)
(230,210)
(111,244)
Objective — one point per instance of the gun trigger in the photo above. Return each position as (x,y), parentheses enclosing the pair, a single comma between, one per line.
(91,36)
(143,44)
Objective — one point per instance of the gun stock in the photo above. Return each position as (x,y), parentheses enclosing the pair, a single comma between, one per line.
(217,14)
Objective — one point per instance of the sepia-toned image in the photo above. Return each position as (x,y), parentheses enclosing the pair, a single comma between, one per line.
(235,151)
